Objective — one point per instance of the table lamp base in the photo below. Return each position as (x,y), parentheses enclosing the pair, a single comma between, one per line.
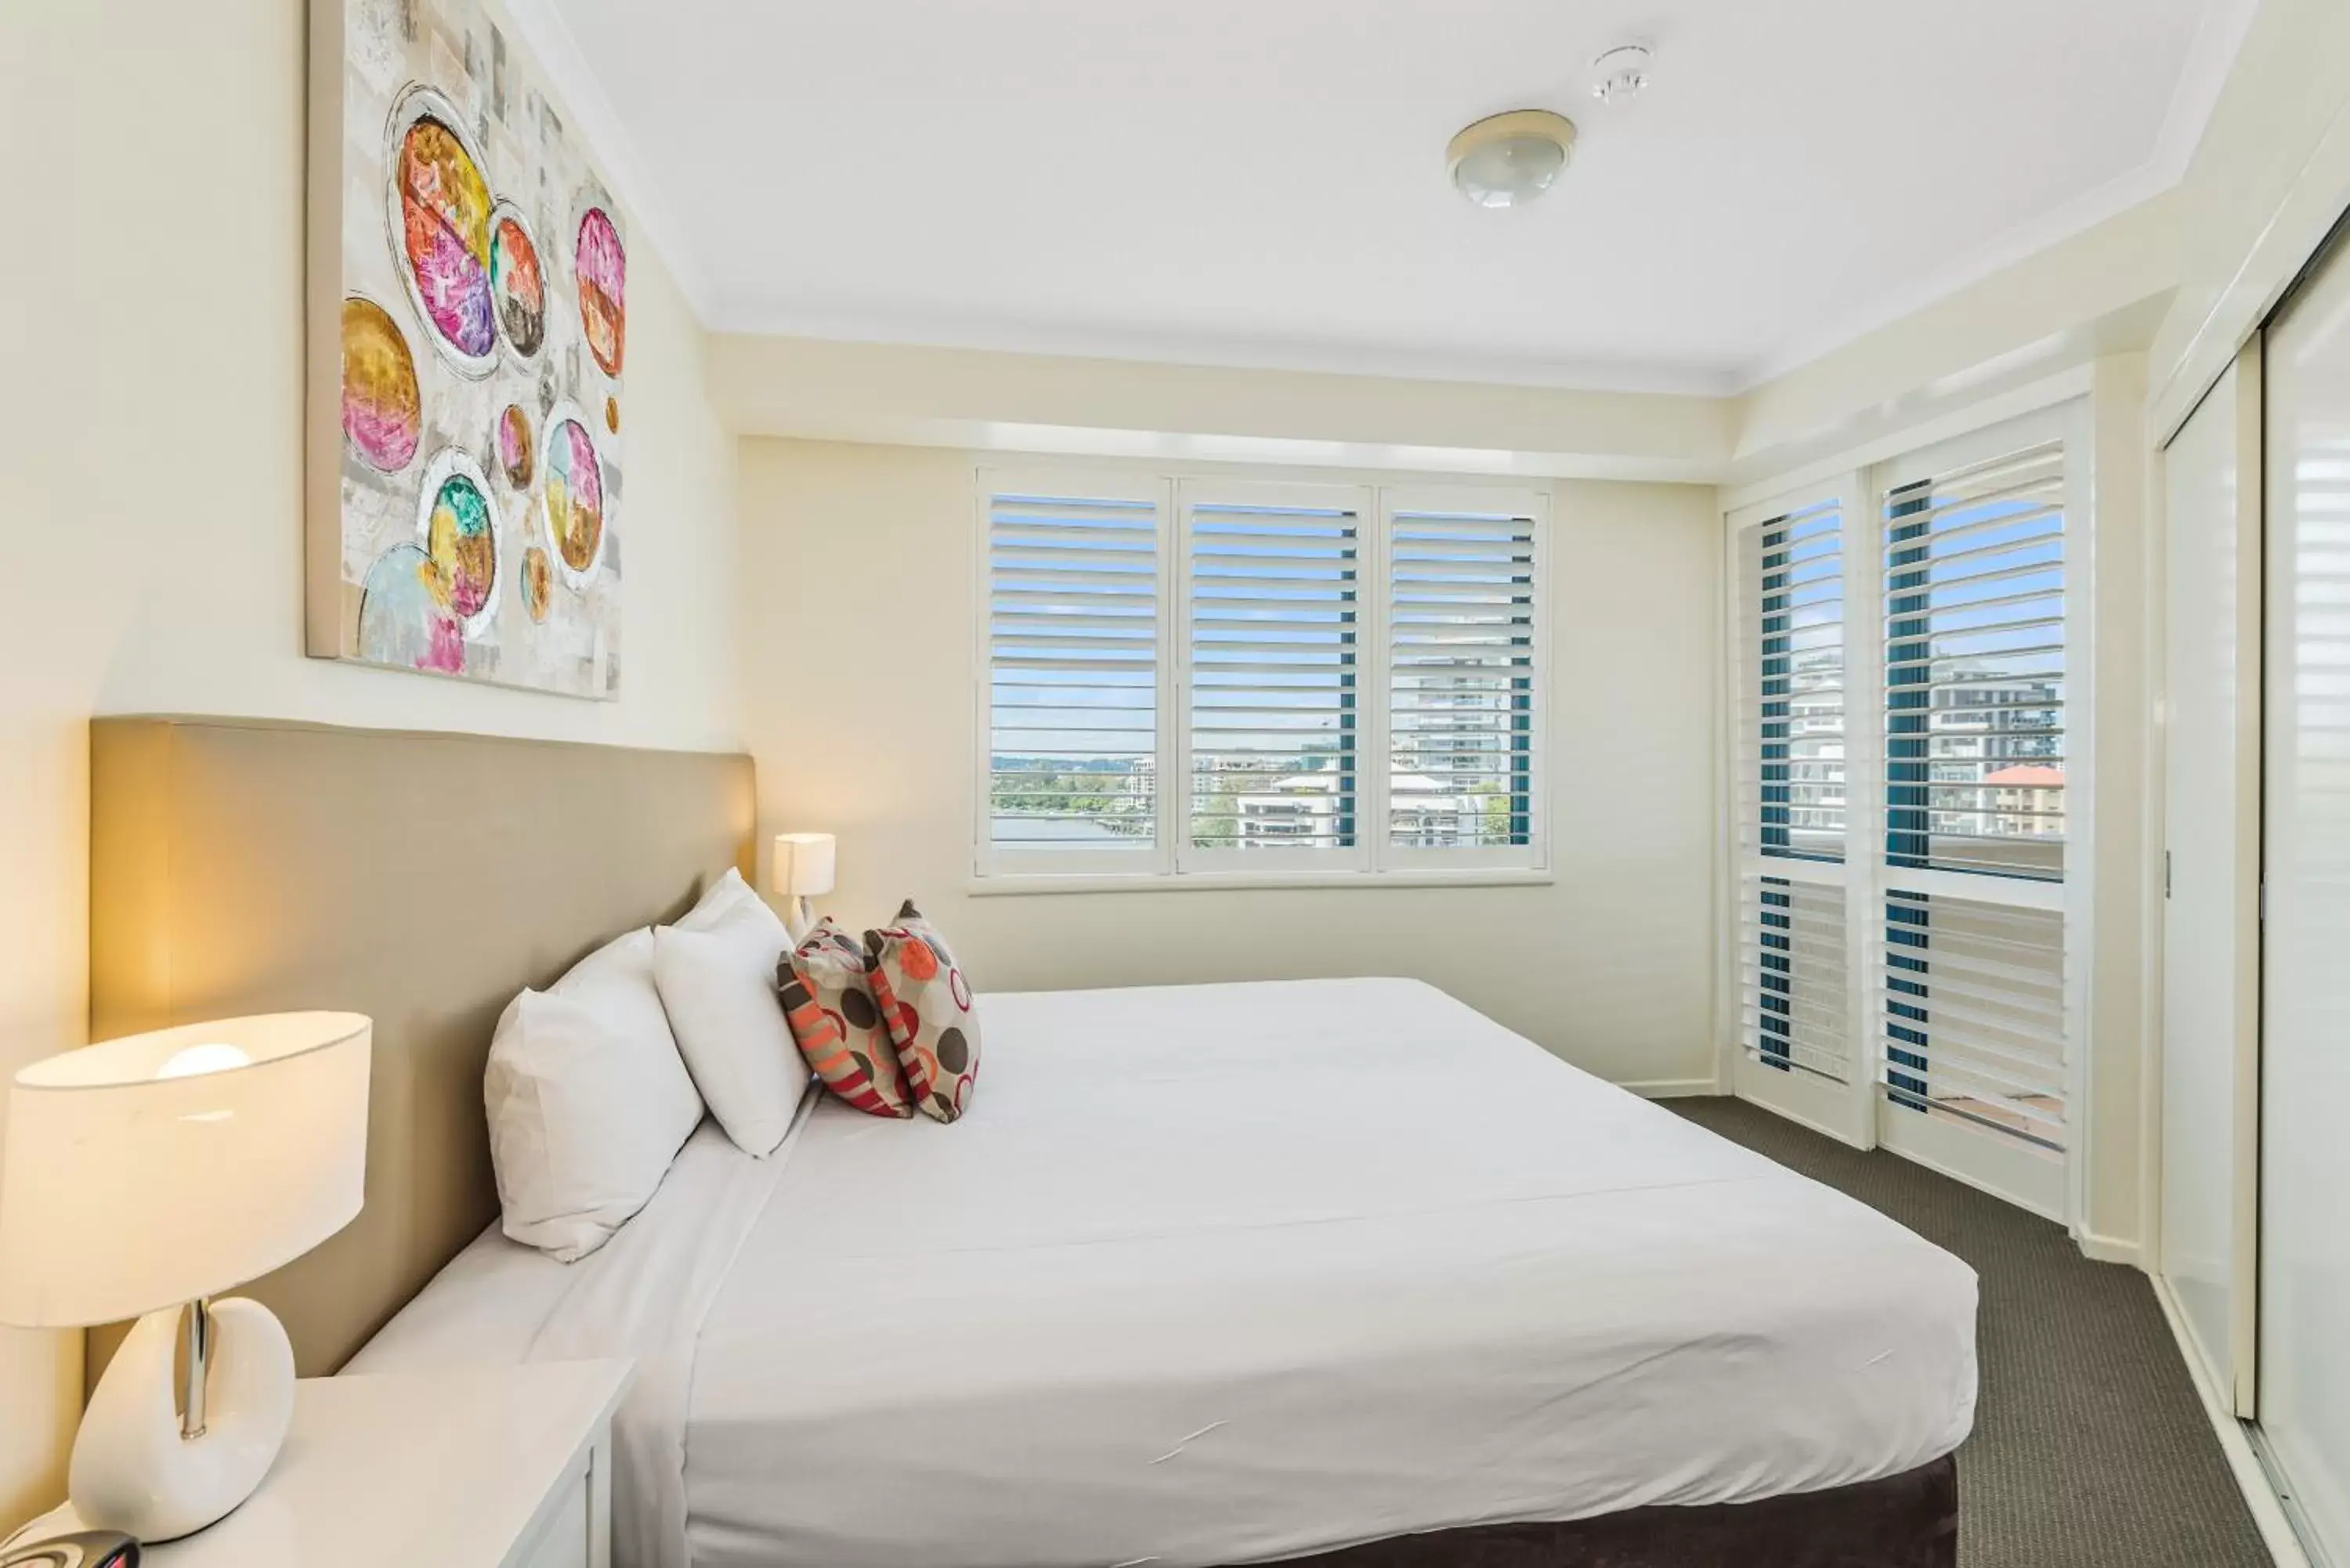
(144,1467)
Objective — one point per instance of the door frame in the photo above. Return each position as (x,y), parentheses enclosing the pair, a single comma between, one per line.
(1856,1112)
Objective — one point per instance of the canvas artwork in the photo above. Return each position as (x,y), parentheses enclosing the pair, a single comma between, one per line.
(474,299)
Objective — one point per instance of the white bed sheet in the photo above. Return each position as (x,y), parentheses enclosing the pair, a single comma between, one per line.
(642,1295)
(1223,1273)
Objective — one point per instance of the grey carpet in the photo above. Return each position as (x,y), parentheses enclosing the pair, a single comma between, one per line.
(2090,1449)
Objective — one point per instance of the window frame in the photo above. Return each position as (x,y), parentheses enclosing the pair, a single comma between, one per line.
(1860,1112)
(1191,492)
(1173,863)
(1938,460)
(1535,504)
(991,861)
(2049,1183)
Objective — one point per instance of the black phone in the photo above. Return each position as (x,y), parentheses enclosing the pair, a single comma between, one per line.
(82,1549)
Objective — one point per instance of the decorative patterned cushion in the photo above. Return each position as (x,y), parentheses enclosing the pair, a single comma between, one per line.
(926,1002)
(828,1001)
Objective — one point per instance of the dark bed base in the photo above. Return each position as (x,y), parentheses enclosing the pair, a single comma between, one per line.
(1908,1521)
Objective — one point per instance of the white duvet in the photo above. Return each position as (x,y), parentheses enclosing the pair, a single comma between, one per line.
(1216,1274)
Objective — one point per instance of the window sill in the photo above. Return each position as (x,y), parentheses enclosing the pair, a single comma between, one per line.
(1025,883)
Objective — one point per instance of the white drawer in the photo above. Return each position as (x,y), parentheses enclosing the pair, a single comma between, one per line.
(560,1536)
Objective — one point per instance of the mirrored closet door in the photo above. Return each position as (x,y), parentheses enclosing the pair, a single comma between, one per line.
(2210,709)
(2304,1191)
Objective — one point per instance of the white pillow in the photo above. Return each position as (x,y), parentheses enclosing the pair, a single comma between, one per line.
(728,899)
(584,1121)
(588,1100)
(720,989)
(616,984)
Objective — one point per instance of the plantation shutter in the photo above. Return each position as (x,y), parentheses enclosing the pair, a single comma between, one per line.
(1974,1013)
(1073,671)
(1463,663)
(1793,942)
(1792,586)
(1972,986)
(1796,996)
(1276,634)
(1899,751)
(1974,668)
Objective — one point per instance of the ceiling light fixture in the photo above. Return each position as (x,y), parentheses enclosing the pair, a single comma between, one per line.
(1620,73)
(1508,160)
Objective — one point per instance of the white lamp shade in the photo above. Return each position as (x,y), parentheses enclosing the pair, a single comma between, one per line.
(159,1168)
(802,864)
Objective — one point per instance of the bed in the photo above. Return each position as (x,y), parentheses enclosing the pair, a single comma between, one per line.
(1334,1271)
(1226,1275)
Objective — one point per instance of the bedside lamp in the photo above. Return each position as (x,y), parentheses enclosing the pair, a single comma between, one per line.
(803,868)
(140,1178)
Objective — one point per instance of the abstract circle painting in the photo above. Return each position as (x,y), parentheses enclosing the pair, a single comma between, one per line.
(517,454)
(458,525)
(439,202)
(538,583)
(516,282)
(404,618)
(383,409)
(601,266)
(571,494)
(469,507)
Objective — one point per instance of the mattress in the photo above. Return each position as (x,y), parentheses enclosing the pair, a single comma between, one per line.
(1219,1274)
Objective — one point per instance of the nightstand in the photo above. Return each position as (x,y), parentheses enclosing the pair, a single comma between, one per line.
(463,1467)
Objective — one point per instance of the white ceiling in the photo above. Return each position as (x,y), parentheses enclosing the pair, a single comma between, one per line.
(1262,182)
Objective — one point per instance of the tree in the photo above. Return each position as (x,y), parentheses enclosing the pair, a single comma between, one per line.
(1216,810)
(1053,794)
(1493,812)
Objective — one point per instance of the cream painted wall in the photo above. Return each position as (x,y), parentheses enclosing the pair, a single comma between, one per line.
(859,631)
(818,390)
(2100,293)
(2269,180)
(151,442)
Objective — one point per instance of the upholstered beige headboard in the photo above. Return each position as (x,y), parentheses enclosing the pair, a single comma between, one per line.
(243,865)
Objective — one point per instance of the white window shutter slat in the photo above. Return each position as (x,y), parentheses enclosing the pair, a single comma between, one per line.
(1972,984)
(1463,652)
(1793,942)
(1974,668)
(1794,974)
(1074,585)
(1276,631)
(1791,595)
(1973,1012)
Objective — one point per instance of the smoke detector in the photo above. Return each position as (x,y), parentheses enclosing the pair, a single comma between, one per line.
(1620,73)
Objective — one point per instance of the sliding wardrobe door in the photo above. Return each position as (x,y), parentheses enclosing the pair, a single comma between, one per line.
(2210,973)
(2304,1277)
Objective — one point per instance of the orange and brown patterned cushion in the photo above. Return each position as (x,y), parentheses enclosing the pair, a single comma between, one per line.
(927,1003)
(829,1001)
